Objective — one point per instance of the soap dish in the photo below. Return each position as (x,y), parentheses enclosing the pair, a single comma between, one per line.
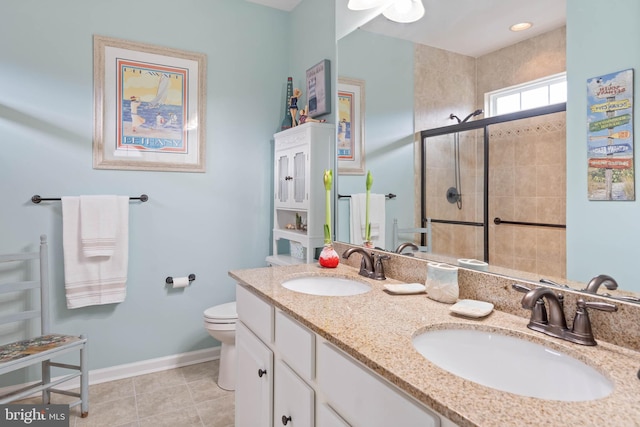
(405,288)
(473,264)
(472,308)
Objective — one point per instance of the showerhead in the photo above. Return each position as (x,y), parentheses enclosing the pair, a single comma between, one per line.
(453,116)
(475,113)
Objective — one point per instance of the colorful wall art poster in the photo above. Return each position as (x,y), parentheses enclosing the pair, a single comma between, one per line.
(610,137)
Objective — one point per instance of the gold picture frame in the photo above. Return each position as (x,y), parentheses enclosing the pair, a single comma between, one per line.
(149,107)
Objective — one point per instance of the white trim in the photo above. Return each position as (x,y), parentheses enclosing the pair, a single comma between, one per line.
(128,370)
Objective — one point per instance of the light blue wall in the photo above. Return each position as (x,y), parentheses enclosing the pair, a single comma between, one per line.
(602,237)
(202,223)
(386,66)
(312,39)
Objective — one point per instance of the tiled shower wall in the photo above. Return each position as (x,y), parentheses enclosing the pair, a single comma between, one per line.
(527,158)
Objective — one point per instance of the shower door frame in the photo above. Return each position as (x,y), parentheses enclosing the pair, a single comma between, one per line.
(466,126)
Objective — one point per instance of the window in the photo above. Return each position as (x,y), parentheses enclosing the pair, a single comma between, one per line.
(538,93)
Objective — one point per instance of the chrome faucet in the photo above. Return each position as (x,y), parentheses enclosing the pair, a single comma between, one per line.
(556,324)
(405,245)
(608,281)
(371,264)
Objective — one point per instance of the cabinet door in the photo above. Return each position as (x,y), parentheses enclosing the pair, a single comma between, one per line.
(254,380)
(328,418)
(293,399)
(283,178)
(300,191)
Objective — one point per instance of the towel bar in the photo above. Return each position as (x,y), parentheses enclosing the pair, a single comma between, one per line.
(386,196)
(37,199)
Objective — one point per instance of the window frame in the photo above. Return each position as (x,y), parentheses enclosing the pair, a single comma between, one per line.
(491,98)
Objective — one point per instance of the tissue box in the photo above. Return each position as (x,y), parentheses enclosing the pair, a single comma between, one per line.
(297,250)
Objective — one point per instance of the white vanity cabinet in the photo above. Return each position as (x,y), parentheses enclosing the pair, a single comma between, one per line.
(301,154)
(312,382)
(254,381)
(294,400)
(364,399)
(254,365)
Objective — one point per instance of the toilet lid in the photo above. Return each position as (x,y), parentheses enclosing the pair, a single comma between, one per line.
(223,311)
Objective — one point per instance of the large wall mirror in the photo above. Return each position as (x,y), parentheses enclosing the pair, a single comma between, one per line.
(412,84)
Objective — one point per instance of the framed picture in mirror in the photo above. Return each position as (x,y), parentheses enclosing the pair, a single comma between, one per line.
(350,144)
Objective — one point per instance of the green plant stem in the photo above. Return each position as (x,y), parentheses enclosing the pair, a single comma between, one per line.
(367,224)
(327,225)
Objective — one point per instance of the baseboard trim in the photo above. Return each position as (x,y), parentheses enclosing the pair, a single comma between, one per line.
(134,369)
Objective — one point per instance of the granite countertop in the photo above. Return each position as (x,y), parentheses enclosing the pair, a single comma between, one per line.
(377,327)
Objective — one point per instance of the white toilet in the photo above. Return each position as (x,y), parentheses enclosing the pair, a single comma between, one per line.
(220,322)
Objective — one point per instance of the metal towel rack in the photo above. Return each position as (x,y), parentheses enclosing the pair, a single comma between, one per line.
(386,196)
(498,221)
(37,199)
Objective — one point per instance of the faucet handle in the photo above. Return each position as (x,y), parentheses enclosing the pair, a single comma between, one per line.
(378,267)
(582,323)
(602,306)
(539,312)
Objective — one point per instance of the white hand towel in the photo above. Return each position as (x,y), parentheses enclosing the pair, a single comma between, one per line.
(98,220)
(376,218)
(94,280)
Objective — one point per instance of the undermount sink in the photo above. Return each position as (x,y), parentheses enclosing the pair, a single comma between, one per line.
(512,364)
(326,286)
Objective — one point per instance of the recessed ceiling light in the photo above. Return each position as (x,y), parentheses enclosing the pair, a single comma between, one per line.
(521,26)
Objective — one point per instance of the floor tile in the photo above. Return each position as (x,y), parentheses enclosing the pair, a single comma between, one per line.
(158,380)
(163,400)
(183,417)
(182,397)
(219,412)
(111,390)
(206,389)
(109,414)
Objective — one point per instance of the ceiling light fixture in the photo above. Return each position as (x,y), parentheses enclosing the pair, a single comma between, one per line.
(405,11)
(521,26)
(364,4)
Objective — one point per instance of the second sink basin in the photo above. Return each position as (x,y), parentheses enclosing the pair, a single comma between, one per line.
(326,285)
(512,364)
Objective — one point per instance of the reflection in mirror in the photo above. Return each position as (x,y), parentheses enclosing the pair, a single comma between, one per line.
(412,87)
(389,139)
(510,207)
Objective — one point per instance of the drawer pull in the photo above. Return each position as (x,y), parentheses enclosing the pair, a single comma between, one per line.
(285,419)
(261,372)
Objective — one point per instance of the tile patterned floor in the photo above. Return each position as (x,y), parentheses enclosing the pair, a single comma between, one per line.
(184,397)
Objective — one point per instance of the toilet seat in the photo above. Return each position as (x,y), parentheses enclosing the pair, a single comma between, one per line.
(221,314)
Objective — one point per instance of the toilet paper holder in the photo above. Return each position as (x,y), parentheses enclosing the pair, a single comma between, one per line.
(169,280)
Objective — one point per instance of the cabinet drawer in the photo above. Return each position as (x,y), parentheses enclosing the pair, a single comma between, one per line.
(255,313)
(292,398)
(363,398)
(296,344)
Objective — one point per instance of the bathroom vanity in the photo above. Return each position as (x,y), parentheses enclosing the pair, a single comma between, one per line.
(287,371)
(349,361)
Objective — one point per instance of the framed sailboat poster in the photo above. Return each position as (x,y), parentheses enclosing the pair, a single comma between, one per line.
(149,107)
